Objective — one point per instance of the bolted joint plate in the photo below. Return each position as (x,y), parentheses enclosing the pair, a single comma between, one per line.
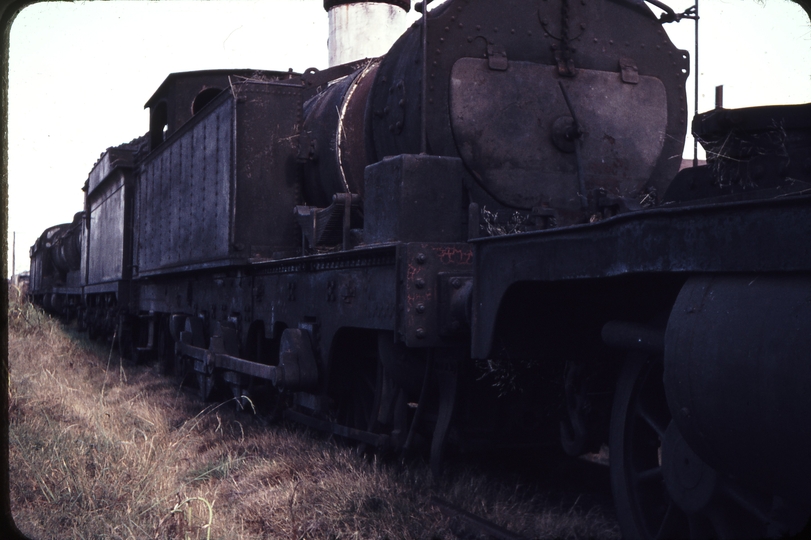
(435,289)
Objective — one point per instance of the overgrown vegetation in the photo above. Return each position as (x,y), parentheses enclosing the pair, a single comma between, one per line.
(101,449)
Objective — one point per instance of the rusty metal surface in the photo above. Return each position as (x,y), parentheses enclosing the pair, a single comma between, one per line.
(107,255)
(268,119)
(413,198)
(538,115)
(219,190)
(67,249)
(331,143)
(56,258)
(43,272)
(112,159)
(183,193)
(108,259)
(756,147)
(173,103)
(504,123)
(599,36)
(423,318)
(356,289)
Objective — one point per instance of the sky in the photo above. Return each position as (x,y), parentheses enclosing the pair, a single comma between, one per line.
(80,73)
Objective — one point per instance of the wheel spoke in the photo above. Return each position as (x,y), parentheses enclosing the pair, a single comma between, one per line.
(650,475)
(719,508)
(205,386)
(672,525)
(744,501)
(728,523)
(638,423)
(657,425)
(361,398)
(700,527)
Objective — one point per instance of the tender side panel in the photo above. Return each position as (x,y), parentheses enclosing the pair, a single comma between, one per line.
(36,271)
(184,196)
(106,233)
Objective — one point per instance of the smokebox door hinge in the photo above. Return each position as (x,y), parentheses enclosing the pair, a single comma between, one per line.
(497,57)
(628,71)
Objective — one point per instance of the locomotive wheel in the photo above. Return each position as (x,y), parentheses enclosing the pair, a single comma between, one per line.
(372,402)
(164,345)
(224,340)
(205,386)
(361,400)
(236,383)
(239,385)
(126,336)
(180,368)
(92,331)
(652,466)
(576,431)
(193,328)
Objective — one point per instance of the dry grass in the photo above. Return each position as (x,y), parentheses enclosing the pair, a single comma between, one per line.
(99,449)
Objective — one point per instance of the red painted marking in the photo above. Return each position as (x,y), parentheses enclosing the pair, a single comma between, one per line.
(454,255)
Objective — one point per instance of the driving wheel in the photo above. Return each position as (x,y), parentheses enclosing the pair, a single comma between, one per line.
(661,488)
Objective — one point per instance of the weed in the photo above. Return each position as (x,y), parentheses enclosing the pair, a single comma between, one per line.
(96,455)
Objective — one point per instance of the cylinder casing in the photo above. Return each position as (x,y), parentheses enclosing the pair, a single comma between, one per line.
(738,376)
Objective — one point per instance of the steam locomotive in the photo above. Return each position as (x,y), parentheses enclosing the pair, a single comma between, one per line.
(481,238)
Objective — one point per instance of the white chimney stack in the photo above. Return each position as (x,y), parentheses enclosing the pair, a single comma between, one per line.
(360,30)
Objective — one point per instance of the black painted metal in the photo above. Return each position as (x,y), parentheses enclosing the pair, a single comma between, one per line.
(415,198)
(207,360)
(376,292)
(297,369)
(633,336)
(763,236)
(757,147)
(737,376)
(56,280)
(177,99)
(108,204)
(331,149)
(220,189)
(326,228)
(603,34)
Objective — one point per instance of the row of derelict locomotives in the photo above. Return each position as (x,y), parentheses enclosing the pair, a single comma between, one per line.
(505,256)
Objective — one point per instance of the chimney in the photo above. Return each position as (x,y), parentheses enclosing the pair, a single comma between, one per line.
(360,30)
